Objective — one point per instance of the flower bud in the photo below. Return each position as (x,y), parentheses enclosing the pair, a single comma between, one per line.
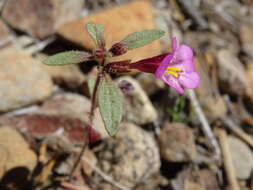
(118,49)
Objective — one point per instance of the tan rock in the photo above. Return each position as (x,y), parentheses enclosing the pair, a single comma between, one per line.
(176,142)
(118,23)
(22,80)
(40,18)
(15,152)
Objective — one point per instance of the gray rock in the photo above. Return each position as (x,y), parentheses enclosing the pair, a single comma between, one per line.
(131,157)
(22,80)
(242,157)
(137,107)
(40,18)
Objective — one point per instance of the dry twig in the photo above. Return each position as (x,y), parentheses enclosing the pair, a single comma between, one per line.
(236,130)
(228,163)
(205,125)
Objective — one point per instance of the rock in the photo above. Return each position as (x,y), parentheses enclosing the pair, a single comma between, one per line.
(64,114)
(40,126)
(242,157)
(5,33)
(137,106)
(22,80)
(176,142)
(231,73)
(64,167)
(150,84)
(127,19)
(73,106)
(247,39)
(15,152)
(131,157)
(210,99)
(191,185)
(69,75)
(249,76)
(207,41)
(41,18)
(208,179)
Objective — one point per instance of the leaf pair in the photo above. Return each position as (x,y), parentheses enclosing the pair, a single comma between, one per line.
(96,31)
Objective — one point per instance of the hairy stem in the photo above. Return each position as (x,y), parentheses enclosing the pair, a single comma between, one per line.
(93,99)
(91,118)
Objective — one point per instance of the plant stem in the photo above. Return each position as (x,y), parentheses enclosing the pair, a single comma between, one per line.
(91,118)
(93,98)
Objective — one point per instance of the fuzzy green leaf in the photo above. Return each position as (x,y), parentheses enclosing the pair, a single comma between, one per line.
(142,38)
(110,102)
(68,57)
(96,32)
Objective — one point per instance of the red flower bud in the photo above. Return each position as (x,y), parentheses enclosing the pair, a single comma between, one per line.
(118,49)
(148,65)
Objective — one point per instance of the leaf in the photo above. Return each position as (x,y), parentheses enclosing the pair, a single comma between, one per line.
(92,31)
(110,102)
(96,32)
(142,38)
(68,57)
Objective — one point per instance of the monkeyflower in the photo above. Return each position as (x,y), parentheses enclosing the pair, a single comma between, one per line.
(176,68)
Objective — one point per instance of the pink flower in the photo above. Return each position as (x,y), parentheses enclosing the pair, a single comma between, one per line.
(175,68)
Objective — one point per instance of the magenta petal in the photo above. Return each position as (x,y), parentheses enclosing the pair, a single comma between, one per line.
(183,59)
(183,53)
(189,80)
(163,65)
(173,82)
